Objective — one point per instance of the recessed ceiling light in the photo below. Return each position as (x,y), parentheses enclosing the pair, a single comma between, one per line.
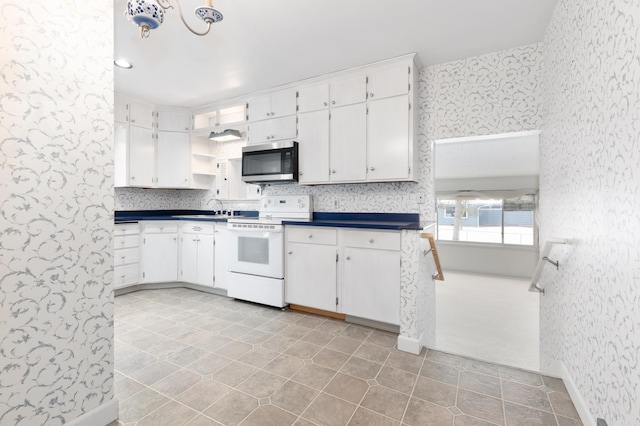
(123,63)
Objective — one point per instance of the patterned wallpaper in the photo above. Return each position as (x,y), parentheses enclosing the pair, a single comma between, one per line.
(56,209)
(589,192)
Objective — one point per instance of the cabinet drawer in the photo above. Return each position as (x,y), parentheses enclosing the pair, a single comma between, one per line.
(126,241)
(126,229)
(160,228)
(313,235)
(373,239)
(126,256)
(198,228)
(125,275)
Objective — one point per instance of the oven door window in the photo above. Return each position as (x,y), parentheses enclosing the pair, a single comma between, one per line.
(253,250)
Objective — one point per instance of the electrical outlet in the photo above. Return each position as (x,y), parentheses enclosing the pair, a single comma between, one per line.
(420,199)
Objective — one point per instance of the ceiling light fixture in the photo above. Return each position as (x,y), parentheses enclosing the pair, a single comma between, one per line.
(226,135)
(149,15)
(123,63)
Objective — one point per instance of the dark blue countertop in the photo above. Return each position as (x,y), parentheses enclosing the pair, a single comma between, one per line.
(391,221)
(124,216)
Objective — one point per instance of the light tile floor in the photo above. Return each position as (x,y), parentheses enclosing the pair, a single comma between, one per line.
(187,357)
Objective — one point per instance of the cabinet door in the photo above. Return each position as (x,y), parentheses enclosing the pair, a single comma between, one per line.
(160,258)
(283,128)
(141,157)
(120,110)
(387,82)
(283,103)
(348,143)
(222,180)
(120,154)
(348,91)
(388,139)
(221,254)
(311,275)
(173,160)
(173,121)
(313,149)
(260,132)
(141,115)
(189,256)
(372,284)
(313,98)
(206,260)
(259,108)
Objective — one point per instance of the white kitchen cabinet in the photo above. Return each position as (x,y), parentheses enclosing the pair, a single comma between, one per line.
(221,255)
(141,157)
(313,148)
(388,145)
(311,257)
(272,130)
(222,179)
(348,90)
(120,154)
(173,160)
(197,253)
(273,105)
(388,81)
(141,115)
(126,254)
(219,117)
(348,143)
(121,110)
(371,275)
(313,98)
(160,252)
(173,120)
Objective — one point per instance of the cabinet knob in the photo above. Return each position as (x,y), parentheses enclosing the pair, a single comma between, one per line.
(310,236)
(333,171)
(372,168)
(133,177)
(324,103)
(268,114)
(371,95)
(333,102)
(348,257)
(133,121)
(290,252)
(300,173)
(122,257)
(371,240)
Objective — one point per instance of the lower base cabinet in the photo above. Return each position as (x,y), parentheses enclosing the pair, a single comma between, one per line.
(159,252)
(354,272)
(221,256)
(196,253)
(311,257)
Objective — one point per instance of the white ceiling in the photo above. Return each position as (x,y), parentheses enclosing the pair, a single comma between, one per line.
(262,44)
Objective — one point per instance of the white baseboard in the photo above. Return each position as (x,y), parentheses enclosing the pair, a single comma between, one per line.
(576,397)
(408,344)
(103,415)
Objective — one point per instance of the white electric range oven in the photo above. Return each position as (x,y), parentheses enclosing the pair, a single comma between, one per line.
(256,249)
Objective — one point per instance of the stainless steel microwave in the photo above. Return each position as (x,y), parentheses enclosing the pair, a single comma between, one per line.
(275,162)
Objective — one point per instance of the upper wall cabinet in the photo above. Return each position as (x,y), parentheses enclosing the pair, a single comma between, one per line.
(367,134)
(141,115)
(348,90)
(219,117)
(313,98)
(121,110)
(173,121)
(274,105)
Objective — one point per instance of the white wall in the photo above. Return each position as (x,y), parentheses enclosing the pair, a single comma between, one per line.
(511,261)
(56,209)
(589,192)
